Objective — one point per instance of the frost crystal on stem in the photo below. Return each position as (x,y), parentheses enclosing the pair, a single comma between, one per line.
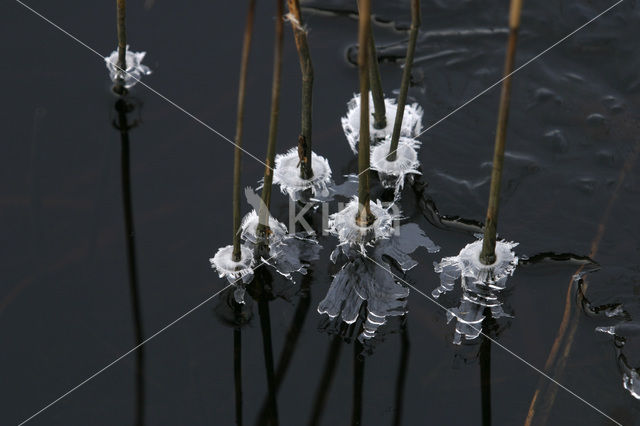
(237,273)
(135,70)
(287,253)
(392,173)
(480,285)
(411,121)
(287,175)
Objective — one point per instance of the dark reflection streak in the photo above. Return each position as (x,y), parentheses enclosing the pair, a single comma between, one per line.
(485,371)
(292,336)
(265,326)
(358,381)
(330,364)
(237,365)
(405,346)
(123,107)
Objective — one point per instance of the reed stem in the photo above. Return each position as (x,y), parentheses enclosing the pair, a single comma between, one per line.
(263,215)
(121,6)
(237,156)
(406,79)
(488,254)
(364,217)
(306,66)
(379,110)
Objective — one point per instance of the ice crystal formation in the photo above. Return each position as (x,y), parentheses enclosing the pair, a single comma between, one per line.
(392,173)
(411,121)
(135,69)
(287,175)
(362,279)
(237,273)
(621,332)
(288,253)
(480,285)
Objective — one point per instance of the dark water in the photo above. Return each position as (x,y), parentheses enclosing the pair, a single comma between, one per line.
(65,296)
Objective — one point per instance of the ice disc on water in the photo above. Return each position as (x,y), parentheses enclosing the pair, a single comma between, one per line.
(287,175)
(411,121)
(343,224)
(238,273)
(249,228)
(135,69)
(392,173)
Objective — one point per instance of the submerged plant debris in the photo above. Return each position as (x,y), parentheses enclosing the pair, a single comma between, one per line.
(480,285)
(411,121)
(135,69)
(361,279)
(237,273)
(287,174)
(392,173)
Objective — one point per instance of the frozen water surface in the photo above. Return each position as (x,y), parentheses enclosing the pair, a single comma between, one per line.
(411,121)
(287,175)
(480,285)
(135,69)
(238,273)
(392,173)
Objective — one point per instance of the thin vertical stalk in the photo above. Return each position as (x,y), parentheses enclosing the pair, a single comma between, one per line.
(121,6)
(306,66)
(364,217)
(379,109)
(488,255)
(402,374)
(406,78)
(237,366)
(263,226)
(485,371)
(237,156)
(328,372)
(267,346)
(358,382)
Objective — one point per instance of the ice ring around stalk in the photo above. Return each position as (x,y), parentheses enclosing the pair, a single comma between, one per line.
(135,70)
(287,175)
(249,228)
(343,224)
(411,120)
(392,173)
(234,271)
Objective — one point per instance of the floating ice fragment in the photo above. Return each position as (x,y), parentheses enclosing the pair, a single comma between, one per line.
(343,224)
(135,70)
(480,285)
(287,175)
(287,253)
(411,121)
(631,382)
(233,271)
(392,173)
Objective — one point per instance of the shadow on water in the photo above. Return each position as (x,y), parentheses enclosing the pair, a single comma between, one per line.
(124,107)
(401,379)
(358,383)
(328,372)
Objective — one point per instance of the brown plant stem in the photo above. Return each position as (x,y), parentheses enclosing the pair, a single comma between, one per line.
(364,217)
(237,156)
(121,65)
(263,215)
(488,255)
(379,110)
(306,66)
(406,79)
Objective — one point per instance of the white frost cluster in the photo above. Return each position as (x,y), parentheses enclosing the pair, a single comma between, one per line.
(480,285)
(234,271)
(411,121)
(287,175)
(135,70)
(392,173)
(249,229)
(343,224)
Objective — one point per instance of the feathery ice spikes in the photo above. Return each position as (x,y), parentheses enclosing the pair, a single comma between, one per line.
(287,253)
(287,174)
(135,70)
(411,121)
(360,278)
(392,173)
(237,273)
(480,285)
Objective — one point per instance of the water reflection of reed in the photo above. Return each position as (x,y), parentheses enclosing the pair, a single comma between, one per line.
(124,107)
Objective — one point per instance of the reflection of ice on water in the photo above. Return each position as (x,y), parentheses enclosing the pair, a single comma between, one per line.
(360,279)
(287,174)
(135,70)
(480,285)
(411,121)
